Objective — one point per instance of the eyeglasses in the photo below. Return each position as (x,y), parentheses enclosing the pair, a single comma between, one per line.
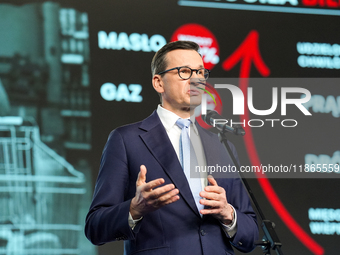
(185,72)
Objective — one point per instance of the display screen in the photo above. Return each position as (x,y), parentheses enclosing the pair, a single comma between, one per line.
(79,69)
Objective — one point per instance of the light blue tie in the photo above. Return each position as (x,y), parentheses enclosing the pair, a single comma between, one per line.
(187,155)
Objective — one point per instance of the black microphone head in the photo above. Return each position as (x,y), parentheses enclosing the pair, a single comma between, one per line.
(210,116)
(239,130)
(214,119)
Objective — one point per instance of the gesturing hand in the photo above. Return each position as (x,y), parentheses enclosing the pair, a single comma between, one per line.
(148,198)
(216,199)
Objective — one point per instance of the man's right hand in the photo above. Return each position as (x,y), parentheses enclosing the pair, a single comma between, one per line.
(148,198)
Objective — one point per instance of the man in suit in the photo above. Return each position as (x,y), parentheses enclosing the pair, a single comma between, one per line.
(142,194)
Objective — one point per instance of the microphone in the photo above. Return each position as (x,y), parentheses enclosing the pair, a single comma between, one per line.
(212,118)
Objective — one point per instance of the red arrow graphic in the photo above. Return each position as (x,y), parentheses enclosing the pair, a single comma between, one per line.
(248,53)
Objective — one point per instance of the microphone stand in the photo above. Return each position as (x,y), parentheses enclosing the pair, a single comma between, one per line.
(270,239)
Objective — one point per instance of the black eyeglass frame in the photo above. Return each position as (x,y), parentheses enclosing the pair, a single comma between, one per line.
(192,70)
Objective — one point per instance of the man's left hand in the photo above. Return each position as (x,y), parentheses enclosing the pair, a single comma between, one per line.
(216,200)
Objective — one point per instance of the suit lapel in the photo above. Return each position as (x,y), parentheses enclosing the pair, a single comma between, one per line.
(209,147)
(159,144)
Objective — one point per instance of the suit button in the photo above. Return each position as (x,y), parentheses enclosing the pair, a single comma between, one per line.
(240,243)
(203,232)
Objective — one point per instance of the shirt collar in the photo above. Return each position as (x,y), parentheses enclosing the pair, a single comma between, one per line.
(169,119)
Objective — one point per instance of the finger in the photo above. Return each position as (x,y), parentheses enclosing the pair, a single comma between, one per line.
(163,198)
(211,203)
(156,193)
(141,176)
(215,189)
(212,180)
(169,197)
(153,184)
(211,211)
(170,200)
(210,195)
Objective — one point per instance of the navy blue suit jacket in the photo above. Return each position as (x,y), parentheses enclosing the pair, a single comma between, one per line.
(177,228)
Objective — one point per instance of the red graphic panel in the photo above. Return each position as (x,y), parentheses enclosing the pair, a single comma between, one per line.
(247,53)
(204,38)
